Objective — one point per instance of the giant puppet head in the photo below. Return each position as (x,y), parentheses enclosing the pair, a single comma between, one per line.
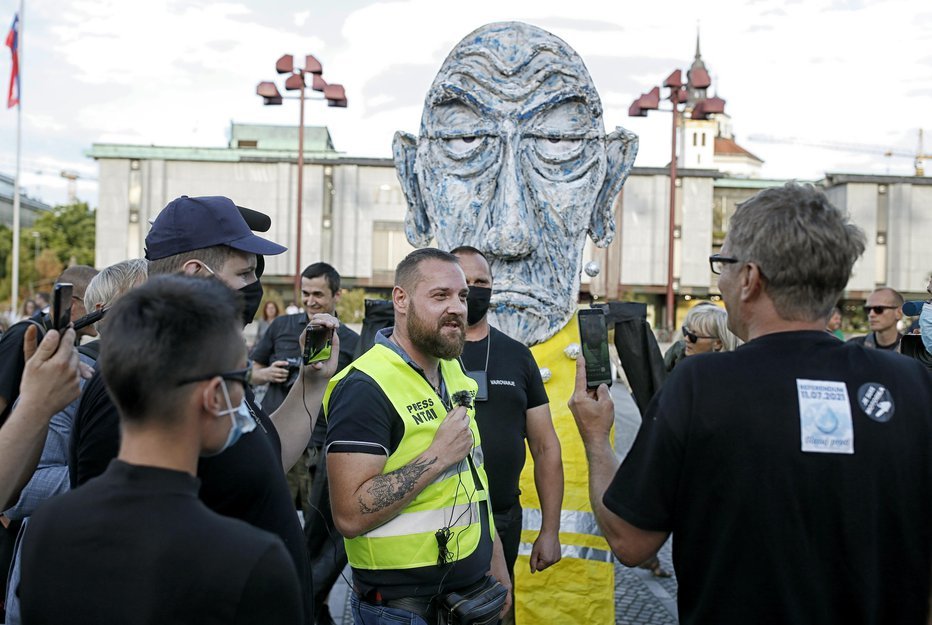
(513,159)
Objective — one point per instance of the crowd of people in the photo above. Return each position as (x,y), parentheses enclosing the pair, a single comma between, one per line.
(141,481)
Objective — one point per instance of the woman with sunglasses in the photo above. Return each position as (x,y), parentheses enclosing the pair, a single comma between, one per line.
(705,329)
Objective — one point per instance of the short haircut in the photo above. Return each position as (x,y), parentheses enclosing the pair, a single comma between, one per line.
(898,298)
(214,257)
(407,274)
(706,319)
(172,328)
(113,282)
(327,271)
(469,249)
(79,276)
(805,248)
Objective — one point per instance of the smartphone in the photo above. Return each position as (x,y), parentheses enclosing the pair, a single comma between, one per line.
(61,305)
(318,341)
(593,334)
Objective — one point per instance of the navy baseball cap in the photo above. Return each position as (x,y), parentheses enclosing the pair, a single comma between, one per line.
(193,223)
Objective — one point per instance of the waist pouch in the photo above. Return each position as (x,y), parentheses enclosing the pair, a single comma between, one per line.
(479,605)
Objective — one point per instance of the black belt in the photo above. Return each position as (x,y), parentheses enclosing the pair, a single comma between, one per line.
(422,606)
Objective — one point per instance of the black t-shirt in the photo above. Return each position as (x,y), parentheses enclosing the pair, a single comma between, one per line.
(136,546)
(363,420)
(765,532)
(12,361)
(280,342)
(514,387)
(244,482)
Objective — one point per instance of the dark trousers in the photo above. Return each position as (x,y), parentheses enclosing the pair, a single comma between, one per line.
(324,543)
(508,526)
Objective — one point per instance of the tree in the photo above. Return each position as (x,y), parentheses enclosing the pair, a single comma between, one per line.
(66,236)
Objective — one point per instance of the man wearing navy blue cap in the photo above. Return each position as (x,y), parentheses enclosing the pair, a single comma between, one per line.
(211,236)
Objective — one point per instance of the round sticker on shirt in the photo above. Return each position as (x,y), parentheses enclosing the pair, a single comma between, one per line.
(876,402)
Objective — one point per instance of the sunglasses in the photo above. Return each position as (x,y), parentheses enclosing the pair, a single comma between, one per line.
(878,310)
(692,337)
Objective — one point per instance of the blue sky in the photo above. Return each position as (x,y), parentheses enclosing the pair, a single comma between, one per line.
(178,72)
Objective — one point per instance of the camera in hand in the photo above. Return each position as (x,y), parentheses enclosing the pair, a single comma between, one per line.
(294,366)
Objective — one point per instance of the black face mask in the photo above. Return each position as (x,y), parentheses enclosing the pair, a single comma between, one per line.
(252,297)
(477,304)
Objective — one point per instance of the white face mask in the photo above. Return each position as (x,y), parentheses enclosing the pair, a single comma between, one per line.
(925,326)
(241,419)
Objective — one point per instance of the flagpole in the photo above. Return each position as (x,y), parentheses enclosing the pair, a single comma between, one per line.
(19,141)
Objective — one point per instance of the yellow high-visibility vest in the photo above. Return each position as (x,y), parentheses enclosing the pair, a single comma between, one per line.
(451,500)
(581,587)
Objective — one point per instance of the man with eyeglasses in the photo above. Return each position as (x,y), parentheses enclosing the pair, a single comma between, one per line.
(136,545)
(884,308)
(210,237)
(795,473)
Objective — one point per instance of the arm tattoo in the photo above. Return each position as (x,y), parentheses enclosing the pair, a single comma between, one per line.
(392,487)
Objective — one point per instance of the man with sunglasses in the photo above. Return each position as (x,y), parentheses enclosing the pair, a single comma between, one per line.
(136,545)
(884,308)
(795,473)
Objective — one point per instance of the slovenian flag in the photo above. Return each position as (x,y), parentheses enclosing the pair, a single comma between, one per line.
(12,42)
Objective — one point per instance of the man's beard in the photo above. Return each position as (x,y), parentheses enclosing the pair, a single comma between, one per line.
(432,340)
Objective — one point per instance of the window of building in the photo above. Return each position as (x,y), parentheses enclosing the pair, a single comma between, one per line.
(389,245)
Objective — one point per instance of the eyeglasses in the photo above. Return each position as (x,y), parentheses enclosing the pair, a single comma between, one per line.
(692,337)
(878,310)
(233,376)
(717,262)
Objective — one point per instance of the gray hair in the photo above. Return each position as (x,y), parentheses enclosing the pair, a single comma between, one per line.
(805,248)
(707,319)
(113,282)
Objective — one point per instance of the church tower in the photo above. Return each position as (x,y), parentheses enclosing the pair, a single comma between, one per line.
(697,136)
(706,140)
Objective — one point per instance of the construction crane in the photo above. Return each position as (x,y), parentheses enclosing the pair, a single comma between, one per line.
(918,157)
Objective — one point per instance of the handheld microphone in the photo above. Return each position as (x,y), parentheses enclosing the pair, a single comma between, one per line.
(462,398)
(90,318)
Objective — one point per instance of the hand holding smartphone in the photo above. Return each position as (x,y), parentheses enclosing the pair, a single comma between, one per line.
(61,305)
(593,334)
(318,341)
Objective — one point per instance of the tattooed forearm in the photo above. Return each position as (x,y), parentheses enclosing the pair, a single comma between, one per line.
(387,489)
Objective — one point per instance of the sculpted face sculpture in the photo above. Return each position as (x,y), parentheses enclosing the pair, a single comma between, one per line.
(512,158)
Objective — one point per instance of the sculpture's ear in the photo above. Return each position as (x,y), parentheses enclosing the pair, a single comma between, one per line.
(417,226)
(621,147)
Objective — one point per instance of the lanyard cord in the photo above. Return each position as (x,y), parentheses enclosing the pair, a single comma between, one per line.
(488,350)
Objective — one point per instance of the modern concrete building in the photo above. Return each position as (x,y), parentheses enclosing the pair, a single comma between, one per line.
(30,208)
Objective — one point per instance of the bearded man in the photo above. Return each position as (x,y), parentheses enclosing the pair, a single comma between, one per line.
(407,484)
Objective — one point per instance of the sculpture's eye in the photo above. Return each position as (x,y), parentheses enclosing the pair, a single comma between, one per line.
(554,147)
(460,146)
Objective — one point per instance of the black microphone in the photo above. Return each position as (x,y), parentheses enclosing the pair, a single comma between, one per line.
(90,318)
(912,309)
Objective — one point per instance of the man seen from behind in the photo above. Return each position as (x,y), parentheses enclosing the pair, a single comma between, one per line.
(794,473)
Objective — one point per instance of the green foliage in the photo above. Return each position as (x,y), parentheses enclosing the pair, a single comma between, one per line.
(65,236)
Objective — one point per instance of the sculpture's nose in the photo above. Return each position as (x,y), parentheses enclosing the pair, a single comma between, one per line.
(512,232)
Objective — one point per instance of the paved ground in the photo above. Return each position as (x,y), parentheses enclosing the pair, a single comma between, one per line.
(640,598)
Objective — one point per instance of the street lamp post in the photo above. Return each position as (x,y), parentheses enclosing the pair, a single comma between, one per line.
(334,95)
(702,109)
